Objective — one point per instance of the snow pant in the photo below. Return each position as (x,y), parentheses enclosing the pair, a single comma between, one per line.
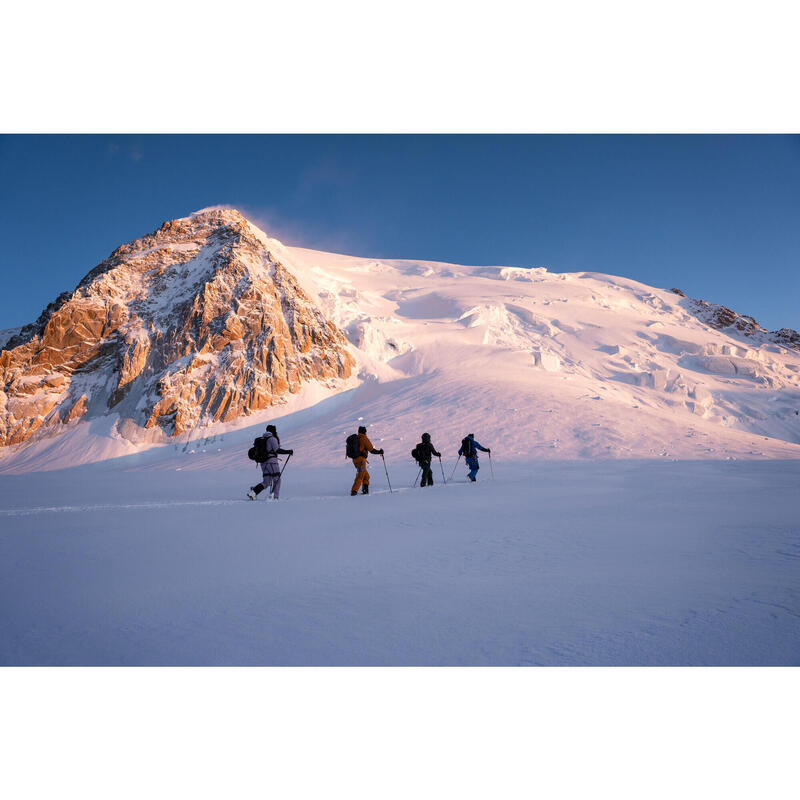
(271,476)
(362,476)
(427,474)
(473,465)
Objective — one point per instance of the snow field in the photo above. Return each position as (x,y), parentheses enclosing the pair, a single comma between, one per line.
(565,563)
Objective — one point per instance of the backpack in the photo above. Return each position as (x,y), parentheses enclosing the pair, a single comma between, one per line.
(258,452)
(467,447)
(415,454)
(352,448)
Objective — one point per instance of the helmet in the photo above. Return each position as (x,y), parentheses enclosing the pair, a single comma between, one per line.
(272,429)
(362,429)
(426,437)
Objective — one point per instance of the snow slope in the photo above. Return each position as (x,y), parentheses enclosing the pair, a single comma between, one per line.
(541,365)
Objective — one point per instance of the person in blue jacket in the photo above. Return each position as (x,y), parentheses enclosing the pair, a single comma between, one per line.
(469,449)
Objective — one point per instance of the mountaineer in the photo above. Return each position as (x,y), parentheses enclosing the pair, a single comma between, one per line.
(469,449)
(265,451)
(423,453)
(358,448)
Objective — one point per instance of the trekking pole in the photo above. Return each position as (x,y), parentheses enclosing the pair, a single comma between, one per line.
(387,474)
(454,466)
(490,465)
(417,478)
(442,469)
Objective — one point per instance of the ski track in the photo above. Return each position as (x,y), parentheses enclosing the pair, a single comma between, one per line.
(22,512)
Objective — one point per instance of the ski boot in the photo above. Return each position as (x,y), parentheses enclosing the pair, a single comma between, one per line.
(365,489)
(353,493)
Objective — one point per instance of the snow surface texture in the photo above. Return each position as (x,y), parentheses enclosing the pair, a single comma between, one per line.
(558,563)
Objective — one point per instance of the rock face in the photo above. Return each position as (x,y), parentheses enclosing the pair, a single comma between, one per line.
(723,318)
(196,322)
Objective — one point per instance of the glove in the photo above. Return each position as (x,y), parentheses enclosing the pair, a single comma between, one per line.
(381,451)
(489,450)
(291,452)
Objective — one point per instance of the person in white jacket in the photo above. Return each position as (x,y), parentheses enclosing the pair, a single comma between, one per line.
(268,448)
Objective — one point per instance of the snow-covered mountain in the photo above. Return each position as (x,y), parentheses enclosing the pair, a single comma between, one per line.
(194,323)
(207,324)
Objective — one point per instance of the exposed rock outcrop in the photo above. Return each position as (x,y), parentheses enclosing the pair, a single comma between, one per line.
(723,318)
(195,322)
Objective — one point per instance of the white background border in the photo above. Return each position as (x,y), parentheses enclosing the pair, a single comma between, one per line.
(399,733)
(411,67)
(420,65)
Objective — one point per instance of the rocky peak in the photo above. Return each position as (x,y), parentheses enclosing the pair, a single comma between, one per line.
(195,322)
(724,318)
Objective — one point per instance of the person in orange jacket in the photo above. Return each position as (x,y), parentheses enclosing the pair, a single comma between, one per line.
(363,448)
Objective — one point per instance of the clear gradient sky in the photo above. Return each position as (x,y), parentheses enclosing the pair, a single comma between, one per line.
(717,216)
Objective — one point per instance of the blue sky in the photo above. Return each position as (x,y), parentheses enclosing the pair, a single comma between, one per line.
(717,216)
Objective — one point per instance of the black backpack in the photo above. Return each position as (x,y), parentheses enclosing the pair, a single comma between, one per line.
(258,452)
(467,447)
(415,454)
(352,449)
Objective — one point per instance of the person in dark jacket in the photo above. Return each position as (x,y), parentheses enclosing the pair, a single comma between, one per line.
(469,449)
(268,447)
(424,453)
